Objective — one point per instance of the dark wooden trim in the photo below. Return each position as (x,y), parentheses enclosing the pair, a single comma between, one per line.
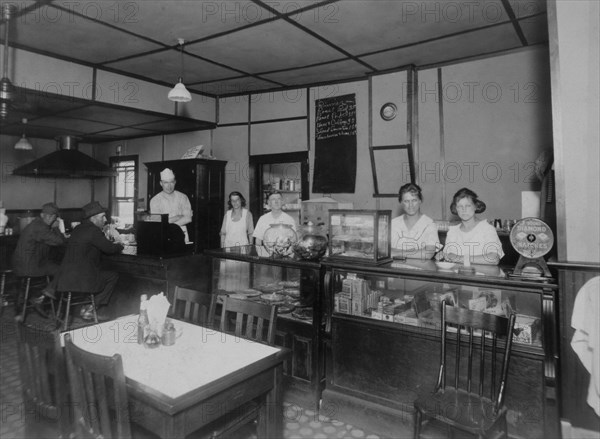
(583,266)
(283,119)
(515,22)
(442,143)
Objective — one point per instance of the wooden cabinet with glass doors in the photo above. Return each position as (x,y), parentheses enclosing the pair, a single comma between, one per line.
(382,334)
(294,286)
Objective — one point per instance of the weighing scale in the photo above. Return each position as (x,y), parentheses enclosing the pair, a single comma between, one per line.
(532,238)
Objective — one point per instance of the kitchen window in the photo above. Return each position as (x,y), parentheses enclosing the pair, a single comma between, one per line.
(123,190)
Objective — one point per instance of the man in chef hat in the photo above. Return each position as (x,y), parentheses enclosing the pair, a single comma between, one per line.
(172,202)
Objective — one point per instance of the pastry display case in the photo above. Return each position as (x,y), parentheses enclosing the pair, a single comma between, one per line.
(361,236)
(294,286)
(383,326)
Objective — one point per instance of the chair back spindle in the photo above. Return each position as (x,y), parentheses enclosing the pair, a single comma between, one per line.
(194,306)
(99,393)
(478,388)
(42,372)
(252,320)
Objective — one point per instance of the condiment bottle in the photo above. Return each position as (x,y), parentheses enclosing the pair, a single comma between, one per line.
(142,318)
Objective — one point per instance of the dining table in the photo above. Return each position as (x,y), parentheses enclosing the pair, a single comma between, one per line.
(177,389)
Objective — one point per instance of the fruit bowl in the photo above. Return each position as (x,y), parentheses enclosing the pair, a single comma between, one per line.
(279,238)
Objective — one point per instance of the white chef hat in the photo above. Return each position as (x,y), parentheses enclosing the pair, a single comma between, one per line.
(167,175)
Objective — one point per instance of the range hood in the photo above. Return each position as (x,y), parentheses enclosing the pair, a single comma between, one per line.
(66,162)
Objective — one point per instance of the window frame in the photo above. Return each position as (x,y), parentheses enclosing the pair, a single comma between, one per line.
(113,160)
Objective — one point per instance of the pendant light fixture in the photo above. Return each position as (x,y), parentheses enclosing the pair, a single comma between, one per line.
(7,90)
(179,92)
(23,144)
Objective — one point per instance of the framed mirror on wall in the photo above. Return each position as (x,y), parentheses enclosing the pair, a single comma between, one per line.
(392,166)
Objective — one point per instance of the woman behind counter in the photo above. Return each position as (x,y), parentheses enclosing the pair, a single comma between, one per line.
(237,225)
(473,238)
(414,235)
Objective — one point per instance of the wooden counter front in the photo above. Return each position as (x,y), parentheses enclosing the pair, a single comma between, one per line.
(152,274)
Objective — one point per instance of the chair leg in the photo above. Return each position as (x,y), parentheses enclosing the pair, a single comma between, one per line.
(417,423)
(67,311)
(26,298)
(93,301)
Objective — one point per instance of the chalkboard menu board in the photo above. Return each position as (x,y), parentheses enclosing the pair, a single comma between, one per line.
(335,145)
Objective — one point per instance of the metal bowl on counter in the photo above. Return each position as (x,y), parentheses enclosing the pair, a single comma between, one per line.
(312,243)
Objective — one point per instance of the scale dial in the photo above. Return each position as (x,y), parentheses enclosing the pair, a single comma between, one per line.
(532,238)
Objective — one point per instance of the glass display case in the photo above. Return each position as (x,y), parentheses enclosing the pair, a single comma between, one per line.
(294,286)
(360,235)
(384,321)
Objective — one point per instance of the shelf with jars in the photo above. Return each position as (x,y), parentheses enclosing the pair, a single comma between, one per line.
(286,173)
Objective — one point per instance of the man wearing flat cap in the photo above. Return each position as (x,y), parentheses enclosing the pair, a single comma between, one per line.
(80,269)
(173,202)
(32,255)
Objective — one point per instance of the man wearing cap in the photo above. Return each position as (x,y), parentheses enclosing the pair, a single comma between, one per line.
(32,255)
(173,202)
(80,269)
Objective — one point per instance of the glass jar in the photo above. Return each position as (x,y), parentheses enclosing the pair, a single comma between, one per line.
(279,238)
(312,242)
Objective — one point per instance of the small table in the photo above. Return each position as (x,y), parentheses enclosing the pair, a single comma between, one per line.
(175,390)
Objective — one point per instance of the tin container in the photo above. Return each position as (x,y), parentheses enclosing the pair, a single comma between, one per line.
(168,336)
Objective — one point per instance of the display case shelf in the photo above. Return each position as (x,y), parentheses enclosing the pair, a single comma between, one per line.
(249,272)
(383,326)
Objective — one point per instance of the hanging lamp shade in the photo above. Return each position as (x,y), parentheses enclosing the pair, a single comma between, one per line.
(179,93)
(23,144)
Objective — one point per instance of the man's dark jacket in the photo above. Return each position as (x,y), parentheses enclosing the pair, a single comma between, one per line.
(80,268)
(31,257)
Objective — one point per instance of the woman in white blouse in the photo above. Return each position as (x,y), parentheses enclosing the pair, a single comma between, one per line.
(473,238)
(414,234)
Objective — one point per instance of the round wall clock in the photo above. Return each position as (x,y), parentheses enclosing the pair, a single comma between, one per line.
(388,111)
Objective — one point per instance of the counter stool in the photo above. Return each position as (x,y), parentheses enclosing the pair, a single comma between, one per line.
(80,299)
(3,296)
(26,281)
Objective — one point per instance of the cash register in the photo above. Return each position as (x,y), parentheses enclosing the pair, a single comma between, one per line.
(155,236)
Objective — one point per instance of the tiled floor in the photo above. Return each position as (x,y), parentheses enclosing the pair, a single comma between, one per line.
(299,423)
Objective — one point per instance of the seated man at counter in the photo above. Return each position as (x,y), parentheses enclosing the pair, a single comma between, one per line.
(32,254)
(275,216)
(80,269)
(172,202)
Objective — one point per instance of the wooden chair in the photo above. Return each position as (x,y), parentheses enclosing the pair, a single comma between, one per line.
(194,306)
(473,400)
(43,375)
(98,393)
(253,320)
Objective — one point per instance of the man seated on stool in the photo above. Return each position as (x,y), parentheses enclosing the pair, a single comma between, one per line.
(173,202)
(32,255)
(80,269)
